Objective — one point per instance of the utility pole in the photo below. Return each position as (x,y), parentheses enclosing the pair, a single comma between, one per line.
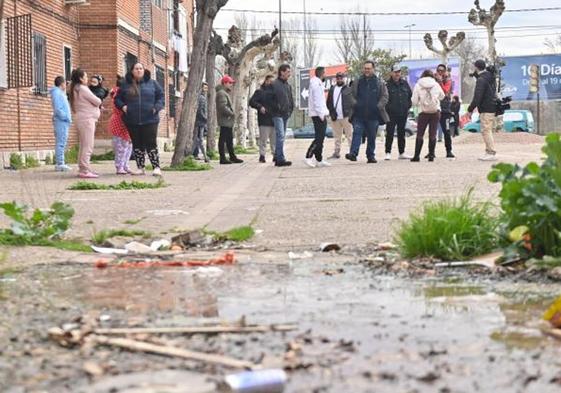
(305,25)
(409,27)
(364,54)
(280,27)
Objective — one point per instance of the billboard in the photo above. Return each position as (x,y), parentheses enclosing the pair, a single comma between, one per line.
(416,67)
(515,77)
(304,76)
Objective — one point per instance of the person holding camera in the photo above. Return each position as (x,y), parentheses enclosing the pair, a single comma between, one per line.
(340,103)
(485,100)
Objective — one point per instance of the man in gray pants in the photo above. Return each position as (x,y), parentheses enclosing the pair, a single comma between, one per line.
(262,101)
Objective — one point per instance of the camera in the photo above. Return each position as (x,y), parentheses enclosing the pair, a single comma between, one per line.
(502,105)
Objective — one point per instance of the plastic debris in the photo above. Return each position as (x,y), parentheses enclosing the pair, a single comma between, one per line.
(112,251)
(138,248)
(260,381)
(327,247)
(160,245)
(553,314)
(302,255)
(227,259)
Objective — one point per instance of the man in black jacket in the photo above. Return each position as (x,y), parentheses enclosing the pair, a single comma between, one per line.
(484,99)
(262,101)
(340,104)
(281,111)
(398,106)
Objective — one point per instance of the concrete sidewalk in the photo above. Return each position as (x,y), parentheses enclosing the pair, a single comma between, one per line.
(348,203)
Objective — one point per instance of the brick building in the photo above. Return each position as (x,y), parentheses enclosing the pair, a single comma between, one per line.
(45,38)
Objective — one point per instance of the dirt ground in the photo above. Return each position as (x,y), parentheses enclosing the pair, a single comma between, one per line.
(357,330)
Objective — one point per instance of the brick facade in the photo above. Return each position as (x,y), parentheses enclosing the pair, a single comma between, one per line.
(100,35)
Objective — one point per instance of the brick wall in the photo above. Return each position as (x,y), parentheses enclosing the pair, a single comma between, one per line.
(55,21)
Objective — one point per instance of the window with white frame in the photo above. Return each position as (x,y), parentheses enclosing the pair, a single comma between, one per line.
(158,3)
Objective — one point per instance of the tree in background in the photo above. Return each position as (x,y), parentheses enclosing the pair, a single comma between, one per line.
(554,45)
(215,46)
(311,50)
(206,13)
(488,19)
(468,51)
(385,59)
(448,46)
(356,40)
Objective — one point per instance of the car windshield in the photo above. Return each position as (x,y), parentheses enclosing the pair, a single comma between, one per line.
(513,116)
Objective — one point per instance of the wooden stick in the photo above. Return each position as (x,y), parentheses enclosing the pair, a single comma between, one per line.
(198,330)
(140,346)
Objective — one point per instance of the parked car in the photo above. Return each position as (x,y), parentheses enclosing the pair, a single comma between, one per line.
(289,133)
(410,128)
(514,121)
(308,132)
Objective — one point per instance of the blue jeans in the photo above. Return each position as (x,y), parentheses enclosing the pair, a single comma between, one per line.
(280,131)
(370,127)
(61,137)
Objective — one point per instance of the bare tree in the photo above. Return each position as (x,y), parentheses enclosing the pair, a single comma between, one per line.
(447,46)
(480,17)
(216,46)
(206,12)
(361,35)
(311,49)
(241,22)
(554,45)
(344,42)
(468,51)
(291,43)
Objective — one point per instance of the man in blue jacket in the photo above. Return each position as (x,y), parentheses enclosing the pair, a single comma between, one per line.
(62,118)
(371,96)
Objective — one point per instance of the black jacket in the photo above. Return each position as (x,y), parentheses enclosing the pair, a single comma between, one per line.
(399,97)
(263,98)
(484,97)
(142,108)
(283,100)
(202,111)
(371,97)
(100,92)
(347,101)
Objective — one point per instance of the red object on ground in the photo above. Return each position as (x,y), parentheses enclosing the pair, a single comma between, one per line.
(466,118)
(227,259)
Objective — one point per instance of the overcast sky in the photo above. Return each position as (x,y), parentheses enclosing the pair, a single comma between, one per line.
(510,42)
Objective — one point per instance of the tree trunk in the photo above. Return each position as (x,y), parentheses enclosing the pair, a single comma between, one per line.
(252,120)
(210,80)
(491,41)
(206,12)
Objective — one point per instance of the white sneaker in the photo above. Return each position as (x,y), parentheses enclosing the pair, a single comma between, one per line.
(388,157)
(311,162)
(405,157)
(157,172)
(62,168)
(323,164)
(488,157)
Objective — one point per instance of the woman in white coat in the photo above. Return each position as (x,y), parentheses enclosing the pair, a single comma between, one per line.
(426,96)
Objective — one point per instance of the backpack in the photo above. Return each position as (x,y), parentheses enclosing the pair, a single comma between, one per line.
(429,103)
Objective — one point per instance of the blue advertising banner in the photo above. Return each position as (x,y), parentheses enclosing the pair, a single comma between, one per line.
(516,77)
(416,67)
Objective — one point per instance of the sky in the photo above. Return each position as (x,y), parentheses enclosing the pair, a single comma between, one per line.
(521,41)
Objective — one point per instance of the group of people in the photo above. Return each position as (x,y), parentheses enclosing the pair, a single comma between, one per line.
(137,102)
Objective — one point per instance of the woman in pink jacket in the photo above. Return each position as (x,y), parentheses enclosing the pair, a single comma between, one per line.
(86,107)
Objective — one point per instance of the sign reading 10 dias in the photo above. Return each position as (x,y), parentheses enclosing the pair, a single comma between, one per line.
(516,77)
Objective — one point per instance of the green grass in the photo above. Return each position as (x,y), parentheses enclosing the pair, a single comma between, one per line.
(16,161)
(213,155)
(31,161)
(134,222)
(71,155)
(124,185)
(238,149)
(107,156)
(70,245)
(238,234)
(449,230)
(189,165)
(100,237)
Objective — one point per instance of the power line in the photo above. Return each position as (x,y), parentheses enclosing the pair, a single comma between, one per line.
(543,9)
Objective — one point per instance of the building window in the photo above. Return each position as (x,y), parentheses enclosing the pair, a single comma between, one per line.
(40,63)
(130,61)
(158,3)
(19,56)
(67,57)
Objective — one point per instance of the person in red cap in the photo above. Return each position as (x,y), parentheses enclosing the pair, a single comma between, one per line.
(225,117)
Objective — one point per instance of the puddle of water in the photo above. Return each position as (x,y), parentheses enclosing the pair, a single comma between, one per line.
(399,327)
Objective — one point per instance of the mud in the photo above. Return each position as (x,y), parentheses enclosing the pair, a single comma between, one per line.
(359,330)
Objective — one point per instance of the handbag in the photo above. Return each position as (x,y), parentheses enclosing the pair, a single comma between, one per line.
(333,112)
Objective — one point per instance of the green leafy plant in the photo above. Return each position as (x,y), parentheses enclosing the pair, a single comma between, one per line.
(134,222)
(190,164)
(100,237)
(455,229)
(16,161)
(124,185)
(212,155)
(238,149)
(31,161)
(107,156)
(531,198)
(49,159)
(71,155)
(38,228)
(238,234)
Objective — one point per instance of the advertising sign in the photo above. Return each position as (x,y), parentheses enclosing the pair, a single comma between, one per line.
(416,67)
(304,76)
(515,77)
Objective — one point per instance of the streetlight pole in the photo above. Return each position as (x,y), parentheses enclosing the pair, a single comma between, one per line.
(409,27)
